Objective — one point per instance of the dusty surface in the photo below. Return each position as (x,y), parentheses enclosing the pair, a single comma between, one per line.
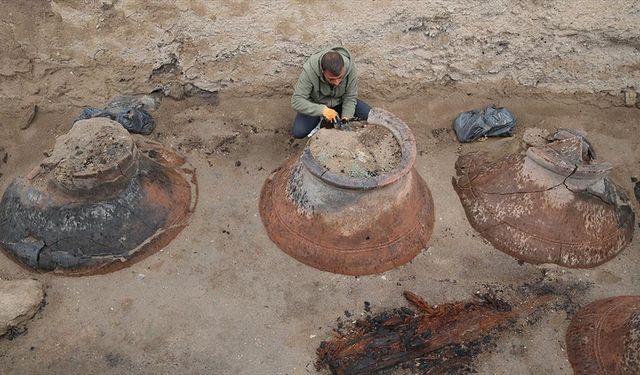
(221,298)
(363,151)
(86,52)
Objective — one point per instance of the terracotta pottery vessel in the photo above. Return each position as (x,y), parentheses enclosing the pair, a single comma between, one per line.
(103,199)
(604,337)
(350,225)
(554,204)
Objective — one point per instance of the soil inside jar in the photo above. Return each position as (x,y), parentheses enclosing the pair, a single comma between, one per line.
(364,150)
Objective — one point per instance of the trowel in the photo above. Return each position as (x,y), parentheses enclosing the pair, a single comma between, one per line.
(315,130)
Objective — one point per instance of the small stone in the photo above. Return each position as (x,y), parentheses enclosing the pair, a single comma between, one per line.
(149,103)
(535,136)
(193,90)
(19,301)
(28,115)
(107,5)
(238,163)
(630,97)
(174,90)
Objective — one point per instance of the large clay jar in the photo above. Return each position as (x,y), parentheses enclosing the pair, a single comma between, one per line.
(604,337)
(350,225)
(552,204)
(103,199)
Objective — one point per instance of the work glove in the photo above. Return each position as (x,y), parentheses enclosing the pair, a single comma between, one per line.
(344,124)
(329,114)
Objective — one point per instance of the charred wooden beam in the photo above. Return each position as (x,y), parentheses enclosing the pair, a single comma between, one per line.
(436,339)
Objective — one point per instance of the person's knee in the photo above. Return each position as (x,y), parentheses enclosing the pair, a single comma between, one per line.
(300,128)
(298,132)
(302,125)
(365,114)
(362,110)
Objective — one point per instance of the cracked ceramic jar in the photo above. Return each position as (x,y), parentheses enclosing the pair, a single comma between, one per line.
(604,337)
(350,225)
(103,199)
(553,204)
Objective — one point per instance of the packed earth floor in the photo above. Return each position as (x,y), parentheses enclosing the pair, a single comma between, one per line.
(223,299)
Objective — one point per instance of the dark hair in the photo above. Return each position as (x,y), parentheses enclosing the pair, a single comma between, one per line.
(332,61)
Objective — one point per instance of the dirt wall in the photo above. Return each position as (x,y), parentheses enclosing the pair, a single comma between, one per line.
(83,52)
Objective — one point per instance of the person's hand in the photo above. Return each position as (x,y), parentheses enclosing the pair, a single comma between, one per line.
(329,114)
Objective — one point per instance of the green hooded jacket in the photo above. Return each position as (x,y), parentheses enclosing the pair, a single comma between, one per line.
(313,92)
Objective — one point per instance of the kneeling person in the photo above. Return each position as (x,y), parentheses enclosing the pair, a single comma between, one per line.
(327,87)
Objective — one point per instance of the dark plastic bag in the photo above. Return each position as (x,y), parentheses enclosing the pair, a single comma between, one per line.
(130,114)
(490,122)
(136,121)
(93,112)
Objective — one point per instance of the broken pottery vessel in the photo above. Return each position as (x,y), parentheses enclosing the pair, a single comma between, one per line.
(350,225)
(554,204)
(604,337)
(103,199)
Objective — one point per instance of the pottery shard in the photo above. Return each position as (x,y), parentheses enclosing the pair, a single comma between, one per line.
(19,301)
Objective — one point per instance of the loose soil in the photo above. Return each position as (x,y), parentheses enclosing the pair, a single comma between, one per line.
(364,150)
(90,148)
(221,298)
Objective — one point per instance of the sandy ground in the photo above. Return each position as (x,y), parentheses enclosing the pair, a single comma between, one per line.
(222,298)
